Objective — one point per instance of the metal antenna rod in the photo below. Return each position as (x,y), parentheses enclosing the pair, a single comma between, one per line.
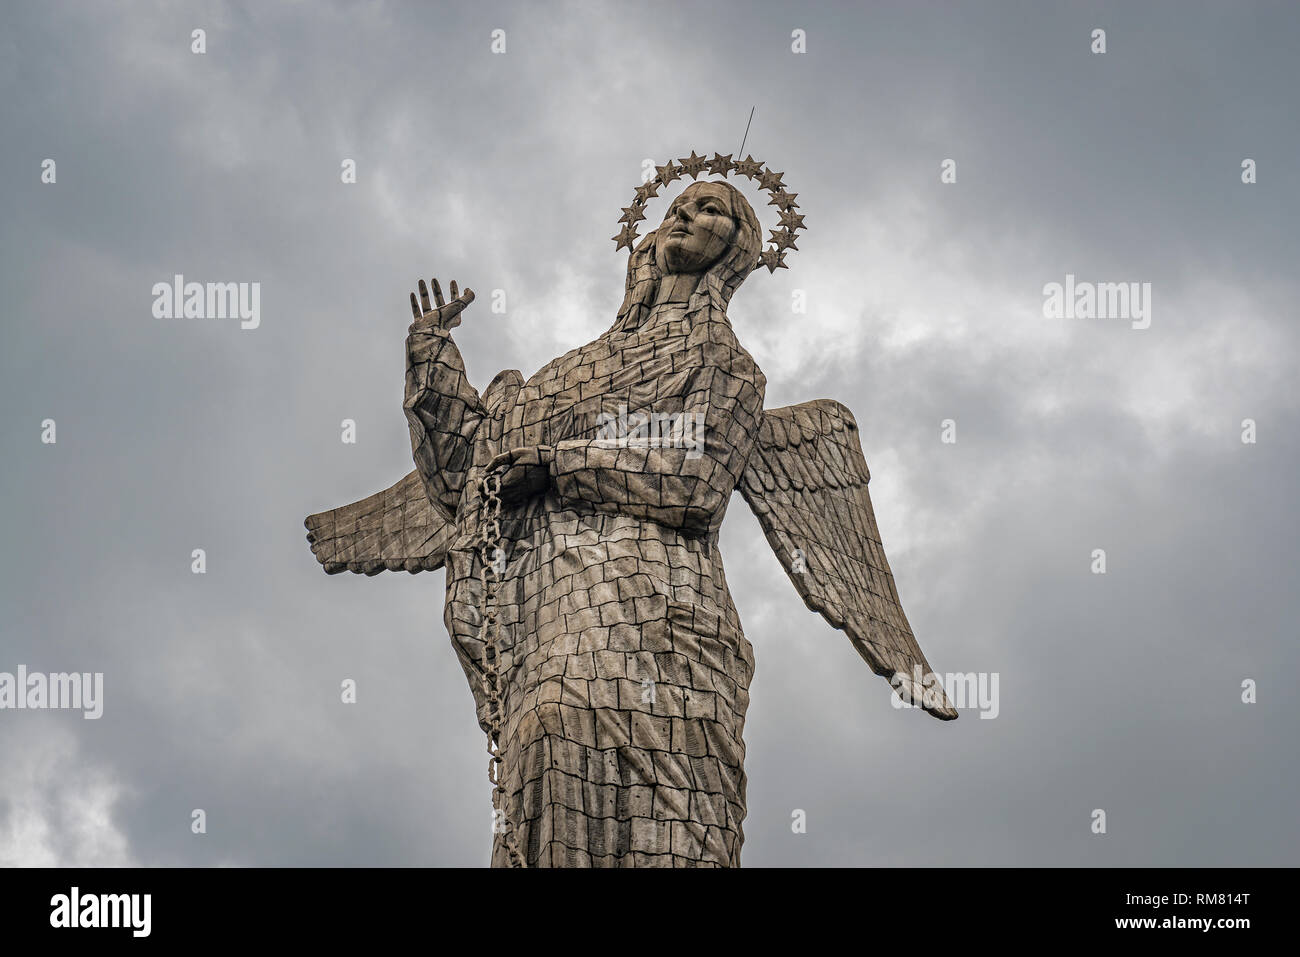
(742,142)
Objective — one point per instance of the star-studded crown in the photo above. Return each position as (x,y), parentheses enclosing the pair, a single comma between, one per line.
(773,256)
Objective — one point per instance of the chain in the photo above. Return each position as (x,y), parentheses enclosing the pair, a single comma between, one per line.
(489,543)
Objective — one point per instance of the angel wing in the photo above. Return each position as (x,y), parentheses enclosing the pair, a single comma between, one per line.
(398,529)
(806,480)
(393,530)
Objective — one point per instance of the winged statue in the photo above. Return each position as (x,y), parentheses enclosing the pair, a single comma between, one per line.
(577,515)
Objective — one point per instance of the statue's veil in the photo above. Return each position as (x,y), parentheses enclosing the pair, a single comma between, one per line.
(718,284)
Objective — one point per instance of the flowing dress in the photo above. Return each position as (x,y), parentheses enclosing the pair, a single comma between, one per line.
(625,674)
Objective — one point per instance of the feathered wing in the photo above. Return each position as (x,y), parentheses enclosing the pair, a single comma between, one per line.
(398,529)
(393,530)
(806,480)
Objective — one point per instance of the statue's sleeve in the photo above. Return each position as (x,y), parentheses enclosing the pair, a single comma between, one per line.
(443,412)
(684,482)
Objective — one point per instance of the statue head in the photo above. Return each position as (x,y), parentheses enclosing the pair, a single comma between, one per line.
(698,228)
(709,232)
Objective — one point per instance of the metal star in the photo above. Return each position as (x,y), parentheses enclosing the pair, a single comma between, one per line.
(720,165)
(694,165)
(668,172)
(791,220)
(747,167)
(632,214)
(626,236)
(773,260)
(783,200)
(647,190)
(783,239)
(769,180)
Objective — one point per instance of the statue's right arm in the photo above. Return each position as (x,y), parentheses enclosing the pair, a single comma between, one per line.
(442,409)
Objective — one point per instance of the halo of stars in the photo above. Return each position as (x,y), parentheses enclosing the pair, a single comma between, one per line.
(783,238)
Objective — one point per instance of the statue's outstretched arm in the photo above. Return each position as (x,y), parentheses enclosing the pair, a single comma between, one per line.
(442,408)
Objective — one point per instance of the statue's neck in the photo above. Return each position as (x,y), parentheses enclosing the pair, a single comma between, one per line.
(676,289)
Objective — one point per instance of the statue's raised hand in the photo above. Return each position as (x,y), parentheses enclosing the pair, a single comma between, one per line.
(443,316)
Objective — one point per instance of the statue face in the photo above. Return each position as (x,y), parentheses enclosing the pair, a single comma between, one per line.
(697,230)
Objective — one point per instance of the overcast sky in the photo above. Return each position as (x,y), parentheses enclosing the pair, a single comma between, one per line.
(1120,691)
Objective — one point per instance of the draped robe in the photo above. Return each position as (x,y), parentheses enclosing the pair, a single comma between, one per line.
(624,672)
